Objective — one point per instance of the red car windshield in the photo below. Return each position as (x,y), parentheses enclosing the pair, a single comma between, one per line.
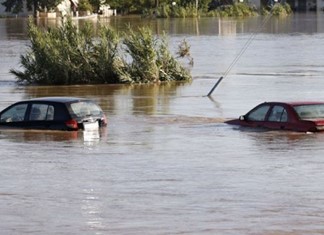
(310,111)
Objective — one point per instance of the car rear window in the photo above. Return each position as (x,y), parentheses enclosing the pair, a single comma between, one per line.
(310,111)
(85,108)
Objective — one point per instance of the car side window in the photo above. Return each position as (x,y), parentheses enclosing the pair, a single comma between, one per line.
(41,112)
(14,114)
(258,114)
(278,114)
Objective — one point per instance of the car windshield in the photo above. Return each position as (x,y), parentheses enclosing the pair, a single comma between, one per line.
(85,108)
(259,113)
(310,111)
(14,114)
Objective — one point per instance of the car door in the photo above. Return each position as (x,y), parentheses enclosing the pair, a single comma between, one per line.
(277,118)
(41,116)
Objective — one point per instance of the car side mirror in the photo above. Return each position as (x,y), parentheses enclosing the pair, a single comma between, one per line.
(242,118)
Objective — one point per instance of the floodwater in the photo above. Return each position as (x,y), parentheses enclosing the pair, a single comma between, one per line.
(166,163)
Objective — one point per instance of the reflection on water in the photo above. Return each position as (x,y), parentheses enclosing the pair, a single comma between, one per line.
(11,29)
(37,136)
(89,137)
(167,163)
(145,99)
(297,23)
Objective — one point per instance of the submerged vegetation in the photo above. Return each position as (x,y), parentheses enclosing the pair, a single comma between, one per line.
(68,55)
(278,10)
(190,10)
(236,9)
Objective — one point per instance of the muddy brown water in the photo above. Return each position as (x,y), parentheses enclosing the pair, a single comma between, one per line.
(167,163)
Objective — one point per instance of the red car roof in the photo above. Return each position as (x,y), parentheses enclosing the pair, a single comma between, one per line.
(296,103)
(305,103)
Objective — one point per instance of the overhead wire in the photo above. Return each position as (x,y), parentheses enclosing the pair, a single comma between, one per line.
(244,48)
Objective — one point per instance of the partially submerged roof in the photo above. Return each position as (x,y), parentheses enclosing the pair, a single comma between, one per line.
(297,103)
(60,99)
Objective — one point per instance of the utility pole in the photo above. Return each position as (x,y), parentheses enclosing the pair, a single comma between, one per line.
(35,6)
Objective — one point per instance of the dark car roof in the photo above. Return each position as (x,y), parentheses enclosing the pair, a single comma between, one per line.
(58,99)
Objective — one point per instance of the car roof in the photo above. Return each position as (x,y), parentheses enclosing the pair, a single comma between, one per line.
(59,99)
(297,103)
(305,103)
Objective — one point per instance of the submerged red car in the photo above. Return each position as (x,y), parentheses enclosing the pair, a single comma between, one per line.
(296,116)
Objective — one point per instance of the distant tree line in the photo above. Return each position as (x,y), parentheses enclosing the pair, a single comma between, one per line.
(16,6)
(139,6)
(122,6)
(161,8)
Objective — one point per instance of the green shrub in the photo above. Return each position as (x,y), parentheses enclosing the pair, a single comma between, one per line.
(84,5)
(141,48)
(167,10)
(151,59)
(169,68)
(235,10)
(232,10)
(278,10)
(109,66)
(164,11)
(67,55)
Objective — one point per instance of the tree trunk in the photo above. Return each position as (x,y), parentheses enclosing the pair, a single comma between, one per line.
(35,3)
(197,7)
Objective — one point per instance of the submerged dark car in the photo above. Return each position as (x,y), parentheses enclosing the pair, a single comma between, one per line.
(295,116)
(53,113)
